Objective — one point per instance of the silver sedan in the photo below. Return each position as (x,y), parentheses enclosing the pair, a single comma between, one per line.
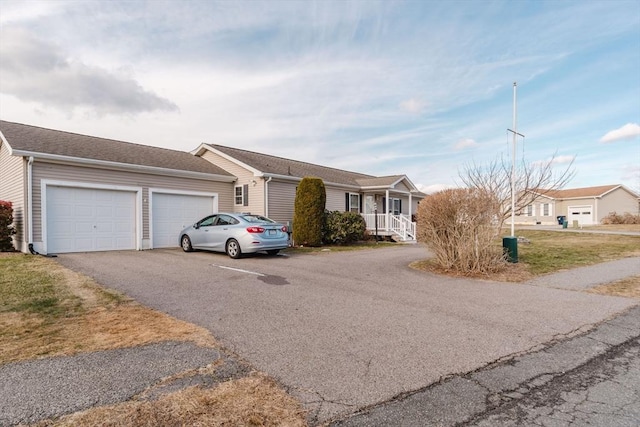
(235,234)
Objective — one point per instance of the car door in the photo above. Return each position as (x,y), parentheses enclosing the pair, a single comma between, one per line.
(221,231)
(201,234)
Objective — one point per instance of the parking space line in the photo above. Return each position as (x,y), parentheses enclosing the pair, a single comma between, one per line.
(238,269)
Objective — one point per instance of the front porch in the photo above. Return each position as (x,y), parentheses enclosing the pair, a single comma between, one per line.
(398,227)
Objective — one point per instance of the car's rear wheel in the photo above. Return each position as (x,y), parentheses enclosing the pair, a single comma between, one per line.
(233,249)
(273,251)
(185,242)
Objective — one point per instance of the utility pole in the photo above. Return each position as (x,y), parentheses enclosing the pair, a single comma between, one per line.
(513,161)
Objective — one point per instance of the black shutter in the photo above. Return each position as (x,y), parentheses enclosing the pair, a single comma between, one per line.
(360,198)
(245,195)
(384,205)
(400,207)
(346,202)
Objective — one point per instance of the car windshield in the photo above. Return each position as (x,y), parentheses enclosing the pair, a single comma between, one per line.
(256,219)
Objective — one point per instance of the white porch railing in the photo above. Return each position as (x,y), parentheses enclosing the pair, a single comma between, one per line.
(399,225)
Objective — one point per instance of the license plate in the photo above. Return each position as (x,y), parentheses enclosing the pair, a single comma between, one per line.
(272,232)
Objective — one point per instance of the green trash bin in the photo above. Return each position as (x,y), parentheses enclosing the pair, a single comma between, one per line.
(565,223)
(510,248)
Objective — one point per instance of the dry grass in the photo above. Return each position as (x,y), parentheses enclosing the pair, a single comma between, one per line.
(550,251)
(47,310)
(629,287)
(615,227)
(511,272)
(255,400)
(88,319)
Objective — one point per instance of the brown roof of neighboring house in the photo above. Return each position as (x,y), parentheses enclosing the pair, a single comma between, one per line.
(294,168)
(33,139)
(571,193)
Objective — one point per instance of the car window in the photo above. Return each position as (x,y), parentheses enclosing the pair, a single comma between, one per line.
(226,220)
(257,219)
(208,221)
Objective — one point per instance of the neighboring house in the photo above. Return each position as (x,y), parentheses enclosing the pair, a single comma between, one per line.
(586,205)
(77,193)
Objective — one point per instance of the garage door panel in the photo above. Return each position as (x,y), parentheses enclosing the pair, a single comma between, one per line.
(173,212)
(87,219)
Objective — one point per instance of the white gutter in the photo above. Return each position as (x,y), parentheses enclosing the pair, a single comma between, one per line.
(266,196)
(30,201)
(55,158)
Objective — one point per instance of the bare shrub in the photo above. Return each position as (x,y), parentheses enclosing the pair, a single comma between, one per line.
(626,218)
(532,180)
(461,226)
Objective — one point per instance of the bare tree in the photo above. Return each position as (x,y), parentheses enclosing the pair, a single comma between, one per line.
(532,180)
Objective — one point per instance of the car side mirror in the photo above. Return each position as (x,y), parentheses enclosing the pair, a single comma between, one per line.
(196,225)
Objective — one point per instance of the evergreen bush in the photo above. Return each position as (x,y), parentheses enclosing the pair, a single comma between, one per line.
(343,227)
(308,215)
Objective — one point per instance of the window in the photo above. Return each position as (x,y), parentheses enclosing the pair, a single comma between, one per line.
(545,209)
(242,195)
(528,210)
(397,206)
(208,221)
(352,202)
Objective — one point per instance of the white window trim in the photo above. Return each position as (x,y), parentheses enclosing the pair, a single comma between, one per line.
(357,207)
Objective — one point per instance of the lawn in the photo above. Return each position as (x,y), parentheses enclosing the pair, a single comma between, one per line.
(550,251)
(47,310)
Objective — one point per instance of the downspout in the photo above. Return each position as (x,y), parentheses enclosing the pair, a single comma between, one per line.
(266,196)
(595,213)
(30,204)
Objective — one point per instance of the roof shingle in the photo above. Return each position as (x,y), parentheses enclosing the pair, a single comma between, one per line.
(47,141)
(281,166)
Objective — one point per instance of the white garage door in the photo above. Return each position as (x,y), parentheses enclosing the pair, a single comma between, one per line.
(582,214)
(87,219)
(173,212)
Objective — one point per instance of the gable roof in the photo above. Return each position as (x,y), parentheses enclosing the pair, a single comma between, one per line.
(268,165)
(572,193)
(273,165)
(26,140)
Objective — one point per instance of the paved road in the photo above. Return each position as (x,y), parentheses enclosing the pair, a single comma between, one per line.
(589,380)
(346,330)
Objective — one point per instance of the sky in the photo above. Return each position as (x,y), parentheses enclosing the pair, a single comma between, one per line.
(422,88)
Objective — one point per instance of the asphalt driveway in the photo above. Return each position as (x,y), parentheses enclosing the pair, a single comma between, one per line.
(345,330)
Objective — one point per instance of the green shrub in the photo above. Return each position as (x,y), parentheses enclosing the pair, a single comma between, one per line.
(308,215)
(343,227)
(6,226)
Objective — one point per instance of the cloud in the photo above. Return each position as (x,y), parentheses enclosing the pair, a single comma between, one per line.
(37,71)
(628,131)
(413,106)
(556,160)
(465,143)
(433,188)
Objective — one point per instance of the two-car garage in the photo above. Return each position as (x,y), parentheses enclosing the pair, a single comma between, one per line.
(84,218)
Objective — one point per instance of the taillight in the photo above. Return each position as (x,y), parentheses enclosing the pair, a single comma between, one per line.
(284,229)
(255,229)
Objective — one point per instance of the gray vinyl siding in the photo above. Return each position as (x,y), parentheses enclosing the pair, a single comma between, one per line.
(245,177)
(59,172)
(282,196)
(619,201)
(12,189)
(336,198)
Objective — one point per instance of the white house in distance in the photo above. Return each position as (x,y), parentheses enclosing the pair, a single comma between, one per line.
(587,206)
(77,193)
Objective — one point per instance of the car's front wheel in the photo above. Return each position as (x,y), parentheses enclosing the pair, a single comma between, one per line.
(185,242)
(233,249)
